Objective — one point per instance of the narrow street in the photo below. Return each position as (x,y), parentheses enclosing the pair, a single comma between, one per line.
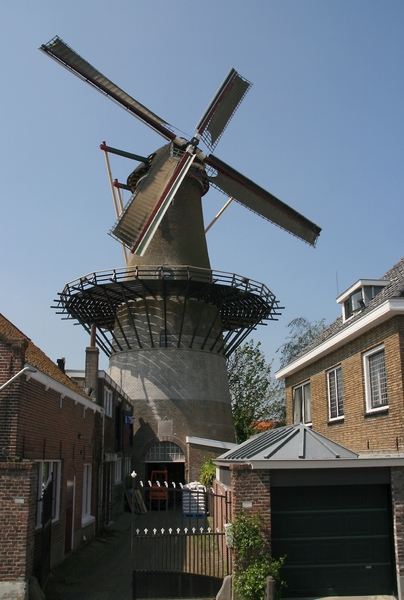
(101,570)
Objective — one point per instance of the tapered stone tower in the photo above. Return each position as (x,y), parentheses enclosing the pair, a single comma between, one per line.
(168,322)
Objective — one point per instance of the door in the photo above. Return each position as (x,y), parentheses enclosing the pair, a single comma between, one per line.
(70,493)
(338,540)
(107,492)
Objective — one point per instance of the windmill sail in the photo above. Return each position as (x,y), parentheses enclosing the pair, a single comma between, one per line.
(147,206)
(251,195)
(67,57)
(222,107)
(162,205)
(154,193)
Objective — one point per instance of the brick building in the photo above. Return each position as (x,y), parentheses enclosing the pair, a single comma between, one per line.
(336,513)
(337,516)
(117,439)
(348,383)
(50,426)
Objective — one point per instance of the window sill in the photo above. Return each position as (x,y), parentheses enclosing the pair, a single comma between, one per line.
(336,421)
(383,410)
(87,520)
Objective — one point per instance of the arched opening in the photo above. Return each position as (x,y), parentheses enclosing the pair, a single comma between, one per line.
(166,456)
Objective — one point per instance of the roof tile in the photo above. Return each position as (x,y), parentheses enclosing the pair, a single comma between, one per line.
(394,289)
(35,357)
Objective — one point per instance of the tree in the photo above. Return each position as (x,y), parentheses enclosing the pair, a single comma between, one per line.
(253,390)
(301,333)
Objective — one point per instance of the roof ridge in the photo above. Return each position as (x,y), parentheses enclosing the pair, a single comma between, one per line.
(395,276)
(37,357)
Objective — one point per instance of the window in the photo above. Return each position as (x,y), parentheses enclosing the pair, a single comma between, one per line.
(302,403)
(128,466)
(108,402)
(334,387)
(370,292)
(86,504)
(375,379)
(359,295)
(353,304)
(48,469)
(118,471)
(165,452)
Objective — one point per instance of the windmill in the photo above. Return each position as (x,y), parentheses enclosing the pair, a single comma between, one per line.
(166,319)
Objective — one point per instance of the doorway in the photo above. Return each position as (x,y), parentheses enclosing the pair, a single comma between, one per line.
(70,494)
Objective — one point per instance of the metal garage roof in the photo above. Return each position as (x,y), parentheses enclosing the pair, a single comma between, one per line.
(292,442)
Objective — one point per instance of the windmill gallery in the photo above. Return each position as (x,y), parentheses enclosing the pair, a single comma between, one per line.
(166,320)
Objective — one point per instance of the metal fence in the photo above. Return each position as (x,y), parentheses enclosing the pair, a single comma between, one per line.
(179,547)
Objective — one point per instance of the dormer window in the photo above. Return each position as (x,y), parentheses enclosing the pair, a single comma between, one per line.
(359,295)
(353,304)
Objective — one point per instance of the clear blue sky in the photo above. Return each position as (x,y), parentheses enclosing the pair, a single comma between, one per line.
(322,128)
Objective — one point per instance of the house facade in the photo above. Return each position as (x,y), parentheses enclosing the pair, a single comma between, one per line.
(117,437)
(348,383)
(59,440)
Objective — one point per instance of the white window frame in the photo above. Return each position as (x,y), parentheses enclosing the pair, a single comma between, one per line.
(370,407)
(165,452)
(86,516)
(118,471)
(46,468)
(108,402)
(304,413)
(335,375)
(128,465)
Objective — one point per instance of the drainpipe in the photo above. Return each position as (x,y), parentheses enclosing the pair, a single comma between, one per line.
(27,369)
(91,388)
(101,473)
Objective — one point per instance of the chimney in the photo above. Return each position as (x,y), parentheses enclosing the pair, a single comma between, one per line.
(91,374)
(61,363)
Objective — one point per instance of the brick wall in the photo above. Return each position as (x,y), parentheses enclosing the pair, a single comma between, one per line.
(196,457)
(18,485)
(251,493)
(49,429)
(379,432)
(11,362)
(38,423)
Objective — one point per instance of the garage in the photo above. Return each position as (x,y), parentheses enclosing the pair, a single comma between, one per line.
(335,516)
(338,539)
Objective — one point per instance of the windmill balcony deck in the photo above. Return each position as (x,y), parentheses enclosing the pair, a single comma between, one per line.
(230,306)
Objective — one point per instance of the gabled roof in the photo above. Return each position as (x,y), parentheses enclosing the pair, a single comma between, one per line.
(292,442)
(9,333)
(392,296)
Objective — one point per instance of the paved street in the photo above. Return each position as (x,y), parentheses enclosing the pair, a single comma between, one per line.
(101,570)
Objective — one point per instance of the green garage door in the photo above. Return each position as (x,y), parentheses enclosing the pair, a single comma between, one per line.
(337,539)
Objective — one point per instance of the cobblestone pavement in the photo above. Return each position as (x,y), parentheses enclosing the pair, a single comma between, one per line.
(102,570)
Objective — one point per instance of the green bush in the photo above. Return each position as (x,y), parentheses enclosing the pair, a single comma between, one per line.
(207,472)
(253,563)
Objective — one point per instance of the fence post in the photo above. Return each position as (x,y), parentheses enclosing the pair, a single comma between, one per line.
(270,589)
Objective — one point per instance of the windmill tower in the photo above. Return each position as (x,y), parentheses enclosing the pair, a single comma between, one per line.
(167,320)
